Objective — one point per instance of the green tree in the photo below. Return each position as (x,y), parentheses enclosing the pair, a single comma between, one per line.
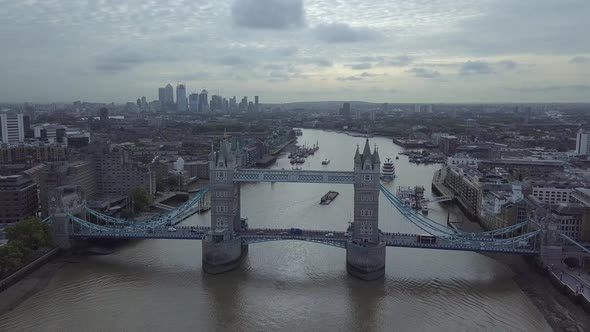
(141,199)
(31,233)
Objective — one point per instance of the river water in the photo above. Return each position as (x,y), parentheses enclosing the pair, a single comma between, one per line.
(158,285)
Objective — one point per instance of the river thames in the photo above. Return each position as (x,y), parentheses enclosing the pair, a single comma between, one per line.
(158,285)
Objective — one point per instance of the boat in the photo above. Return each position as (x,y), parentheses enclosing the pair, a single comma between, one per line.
(396,157)
(325,161)
(388,170)
(328,197)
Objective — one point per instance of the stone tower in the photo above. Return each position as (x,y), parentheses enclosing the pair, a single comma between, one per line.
(222,248)
(365,252)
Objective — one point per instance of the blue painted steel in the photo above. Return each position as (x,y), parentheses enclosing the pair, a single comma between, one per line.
(298,176)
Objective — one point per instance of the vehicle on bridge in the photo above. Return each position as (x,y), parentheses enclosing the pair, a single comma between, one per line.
(296,231)
(171,229)
(426,238)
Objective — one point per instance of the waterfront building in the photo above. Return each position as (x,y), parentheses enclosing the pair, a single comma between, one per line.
(117,174)
(448,144)
(464,182)
(18,198)
(583,142)
(462,159)
(524,167)
(32,153)
(501,209)
(12,129)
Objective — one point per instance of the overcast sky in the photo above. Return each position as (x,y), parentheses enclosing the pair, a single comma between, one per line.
(297,50)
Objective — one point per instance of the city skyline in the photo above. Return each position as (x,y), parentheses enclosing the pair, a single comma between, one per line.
(382,51)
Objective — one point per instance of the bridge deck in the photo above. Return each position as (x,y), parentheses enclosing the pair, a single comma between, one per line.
(332,238)
(301,176)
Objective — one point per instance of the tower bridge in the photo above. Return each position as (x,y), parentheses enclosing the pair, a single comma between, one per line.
(225,240)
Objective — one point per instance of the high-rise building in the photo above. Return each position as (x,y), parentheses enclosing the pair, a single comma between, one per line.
(256,104)
(233,105)
(583,143)
(204,101)
(345,110)
(181,102)
(104,114)
(12,127)
(193,102)
(166,97)
(417,108)
(216,103)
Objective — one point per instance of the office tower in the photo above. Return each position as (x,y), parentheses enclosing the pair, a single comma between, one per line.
(166,97)
(203,101)
(256,105)
(193,102)
(583,143)
(12,127)
(216,103)
(181,102)
(345,110)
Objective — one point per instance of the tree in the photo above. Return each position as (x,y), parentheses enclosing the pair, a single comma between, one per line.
(141,199)
(31,233)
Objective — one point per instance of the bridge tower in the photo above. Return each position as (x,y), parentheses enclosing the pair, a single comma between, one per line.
(222,247)
(365,251)
(63,201)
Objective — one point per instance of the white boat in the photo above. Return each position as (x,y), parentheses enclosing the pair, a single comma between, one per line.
(325,161)
(388,170)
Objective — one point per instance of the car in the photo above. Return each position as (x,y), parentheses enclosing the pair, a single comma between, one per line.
(329,235)
(284,233)
(194,230)
(260,233)
(171,229)
(346,234)
(522,244)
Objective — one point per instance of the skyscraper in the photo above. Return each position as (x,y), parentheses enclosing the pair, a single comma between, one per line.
(583,143)
(166,97)
(181,102)
(216,103)
(345,110)
(256,105)
(193,102)
(203,101)
(12,127)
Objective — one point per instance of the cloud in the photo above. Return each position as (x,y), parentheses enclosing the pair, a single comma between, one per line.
(123,60)
(553,88)
(360,66)
(508,64)
(423,72)
(475,68)
(320,62)
(579,60)
(396,61)
(375,89)
(232,60)
(268,14)
(366,74)
(344,33)
(516,27)
(349,78)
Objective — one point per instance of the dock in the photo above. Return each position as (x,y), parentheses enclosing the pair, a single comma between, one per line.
(328,197)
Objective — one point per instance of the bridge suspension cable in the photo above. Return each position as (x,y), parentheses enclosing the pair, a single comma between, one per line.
(159,220)
(413,215)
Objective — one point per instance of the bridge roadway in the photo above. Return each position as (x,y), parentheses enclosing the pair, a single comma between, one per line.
(301,176)
(332,238)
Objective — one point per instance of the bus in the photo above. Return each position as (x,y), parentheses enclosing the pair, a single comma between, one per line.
(426,238)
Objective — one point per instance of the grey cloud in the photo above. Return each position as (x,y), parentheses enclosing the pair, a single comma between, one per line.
(321,62)
(344,33)
(117,61)
(268,14)
(232,60)
(524,26)
(360,66)
(349,78)
(397,61)
(508,64)
(553,88)
(366,74)
(475,68)
(423,72)
(579,60)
